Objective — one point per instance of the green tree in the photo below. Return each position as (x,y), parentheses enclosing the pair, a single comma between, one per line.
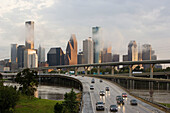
(28,79)
(58,108)
(8,98)
(70,103)
(1,80)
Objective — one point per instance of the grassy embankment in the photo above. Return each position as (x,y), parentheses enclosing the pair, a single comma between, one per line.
(35,105)
(167,105)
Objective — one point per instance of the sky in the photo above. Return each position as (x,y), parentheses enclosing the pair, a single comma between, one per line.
(145,21)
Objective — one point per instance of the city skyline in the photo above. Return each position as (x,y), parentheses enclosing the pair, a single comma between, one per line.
(145,22)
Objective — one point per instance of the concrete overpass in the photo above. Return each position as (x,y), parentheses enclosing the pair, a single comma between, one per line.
(111,64)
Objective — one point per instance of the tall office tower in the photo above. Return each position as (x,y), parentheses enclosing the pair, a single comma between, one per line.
(88,51)
(132,51)
(80,58)
(71,51)
(41,54)
(13,53)
(20,56)
(148,54)
(29,33)
(97,44)
(116,59)
(106,55)
(30,58)
(55,57)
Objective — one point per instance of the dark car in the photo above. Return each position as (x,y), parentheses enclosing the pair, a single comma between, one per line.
(93,81)
(102,93)
(75,74)
(113,108)
(117,97)
(100,106)
(107,88)
(101,80)
(133,102)
(124,95)
(91,87)
(82,75)
(120,101)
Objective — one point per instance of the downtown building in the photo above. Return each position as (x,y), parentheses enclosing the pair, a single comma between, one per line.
(20,55)
(30,54)
(14,60)
(55,57)
(106,55)
(71,51)
(41,54)
(88,51)
(116,59)
(97,47)
(133,52)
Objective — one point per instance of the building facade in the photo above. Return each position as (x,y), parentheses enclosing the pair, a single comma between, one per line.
(41,54)
(88,51)
(30,58)
(97,47)
(80,58)
(14,53)
(71,51)
(20,56)
(29,33)
(55,57)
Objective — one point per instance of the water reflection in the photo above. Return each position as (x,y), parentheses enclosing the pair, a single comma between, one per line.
(50,92)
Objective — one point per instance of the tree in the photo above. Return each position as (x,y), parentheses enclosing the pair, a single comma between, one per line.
(1,80)
(70,103)
(58,108)
(28,79)
(8,98)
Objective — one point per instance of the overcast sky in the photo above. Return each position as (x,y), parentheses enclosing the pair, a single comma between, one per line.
(146,21)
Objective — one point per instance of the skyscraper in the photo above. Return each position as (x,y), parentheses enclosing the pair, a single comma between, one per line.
(13,53)
(106,55)
(20,56)
(41,54)
(71,51)
(96,35)
(88,51)
(29,33)
(80,58)
(30,58)
(132,51)
(55,57)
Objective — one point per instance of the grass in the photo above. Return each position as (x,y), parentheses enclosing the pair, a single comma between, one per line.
(34,105)
(165,104)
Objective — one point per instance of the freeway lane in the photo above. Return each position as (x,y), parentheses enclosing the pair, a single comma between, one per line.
(110,98)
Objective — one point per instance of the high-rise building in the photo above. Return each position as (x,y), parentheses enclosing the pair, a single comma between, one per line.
(88,51)
(148,54)
(13,53)
(80,58)
(106,55)
(96,35)
(71,51)
(115,57)
(55,57)
(133,52)
(125,58)
(20,56)
(29,33)
(41,54)
(30,58)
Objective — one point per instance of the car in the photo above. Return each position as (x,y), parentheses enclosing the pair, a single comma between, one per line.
(82,75)
(102,93)
(107,89)
(117,97)
(124,95)
(133,102)
(101,80)
(113,108)
(93,81)
(75,74)
(91,87)
(100,106)
(120,101)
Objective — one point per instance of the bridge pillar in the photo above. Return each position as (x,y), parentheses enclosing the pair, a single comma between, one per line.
(151,70)
(130,70)
(76,68)
(112,70)
(85,68)
(98,70)
(59,71)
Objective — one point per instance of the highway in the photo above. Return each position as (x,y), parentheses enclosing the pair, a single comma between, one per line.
(90,98)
